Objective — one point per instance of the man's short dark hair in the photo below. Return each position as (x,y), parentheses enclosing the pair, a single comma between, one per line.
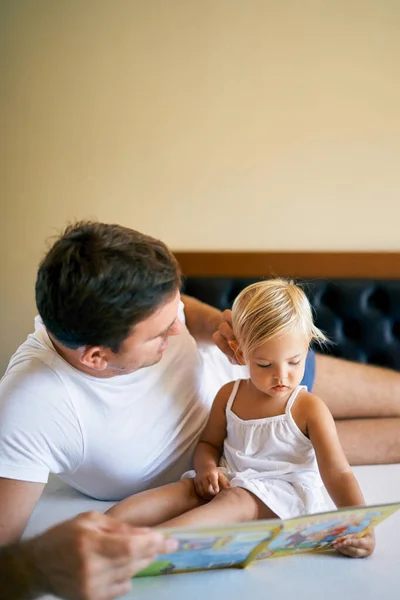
(98,281)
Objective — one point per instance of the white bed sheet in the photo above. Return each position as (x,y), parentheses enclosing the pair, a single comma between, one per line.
(301,577)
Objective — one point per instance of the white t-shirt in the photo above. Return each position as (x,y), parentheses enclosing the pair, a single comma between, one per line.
(111,437)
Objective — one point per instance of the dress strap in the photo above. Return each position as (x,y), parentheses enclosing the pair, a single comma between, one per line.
(233,394)
(293,397)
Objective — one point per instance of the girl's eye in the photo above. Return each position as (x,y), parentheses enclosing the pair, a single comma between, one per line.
(294,363)
(263,366)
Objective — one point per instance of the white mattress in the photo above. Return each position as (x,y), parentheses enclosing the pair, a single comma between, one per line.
(305,576)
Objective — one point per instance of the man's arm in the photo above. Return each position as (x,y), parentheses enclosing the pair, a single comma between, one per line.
(18,576)
(91,557)
(202,320)
(17,501)
(39,434)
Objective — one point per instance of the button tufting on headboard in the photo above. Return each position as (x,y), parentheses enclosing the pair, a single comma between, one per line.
(361,317)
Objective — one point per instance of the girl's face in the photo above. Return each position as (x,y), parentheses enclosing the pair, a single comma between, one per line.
(277,367)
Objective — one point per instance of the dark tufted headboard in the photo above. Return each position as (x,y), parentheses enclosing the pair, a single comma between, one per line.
(360,316)
(355,296)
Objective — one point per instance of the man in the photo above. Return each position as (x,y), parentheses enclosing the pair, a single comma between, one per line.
(111,391)
(91,557)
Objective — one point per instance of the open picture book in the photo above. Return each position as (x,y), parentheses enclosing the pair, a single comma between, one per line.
(240,544)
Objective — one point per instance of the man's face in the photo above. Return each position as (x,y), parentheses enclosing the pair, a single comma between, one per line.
(145,346)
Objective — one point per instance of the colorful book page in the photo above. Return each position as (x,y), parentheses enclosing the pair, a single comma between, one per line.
(209,549)
(318,532)
(239,544)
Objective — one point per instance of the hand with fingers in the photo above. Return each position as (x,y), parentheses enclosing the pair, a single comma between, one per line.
(223,337)
(91,557)
(209,482)
(356,547)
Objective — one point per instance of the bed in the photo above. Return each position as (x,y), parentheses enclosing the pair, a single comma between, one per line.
(356,298)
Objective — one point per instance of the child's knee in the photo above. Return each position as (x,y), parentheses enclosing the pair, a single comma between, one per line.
(244,503)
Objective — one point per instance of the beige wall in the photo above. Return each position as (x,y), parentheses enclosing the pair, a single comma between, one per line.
(213,124)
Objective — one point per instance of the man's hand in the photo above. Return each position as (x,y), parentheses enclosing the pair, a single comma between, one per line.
(209,482)
(201,319)
(356,547)
(224,336)
(92,557)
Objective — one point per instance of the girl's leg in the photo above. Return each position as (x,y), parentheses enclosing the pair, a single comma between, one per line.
(234,505)
(153,507)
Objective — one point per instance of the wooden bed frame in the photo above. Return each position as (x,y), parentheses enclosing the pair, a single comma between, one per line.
(371,265)
(355,295)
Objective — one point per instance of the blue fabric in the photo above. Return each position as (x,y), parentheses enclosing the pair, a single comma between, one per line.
(309,372)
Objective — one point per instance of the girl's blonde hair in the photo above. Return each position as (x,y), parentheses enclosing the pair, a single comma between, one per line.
(270,308)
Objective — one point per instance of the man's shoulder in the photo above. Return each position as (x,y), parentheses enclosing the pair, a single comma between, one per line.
(34,357)
(31,390)
(30,369)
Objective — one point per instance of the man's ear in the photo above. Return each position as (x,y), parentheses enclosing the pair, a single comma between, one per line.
(233,344)
(94,357)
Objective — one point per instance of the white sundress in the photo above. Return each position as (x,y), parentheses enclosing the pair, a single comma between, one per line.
(274,460)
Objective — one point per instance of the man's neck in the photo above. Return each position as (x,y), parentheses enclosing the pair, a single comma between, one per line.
(72,357)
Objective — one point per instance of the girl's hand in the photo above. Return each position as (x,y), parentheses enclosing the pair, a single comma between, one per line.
(356,547)
(208,483)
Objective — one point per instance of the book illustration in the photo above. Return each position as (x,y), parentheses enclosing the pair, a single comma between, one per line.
(318,532)
(210,549)
(237,545)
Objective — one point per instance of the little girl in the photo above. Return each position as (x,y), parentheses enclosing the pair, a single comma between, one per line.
(268,441)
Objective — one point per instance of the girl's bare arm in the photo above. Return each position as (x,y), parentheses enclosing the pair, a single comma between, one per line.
(333,466)
(212,438)
(208,452)
(335,471)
